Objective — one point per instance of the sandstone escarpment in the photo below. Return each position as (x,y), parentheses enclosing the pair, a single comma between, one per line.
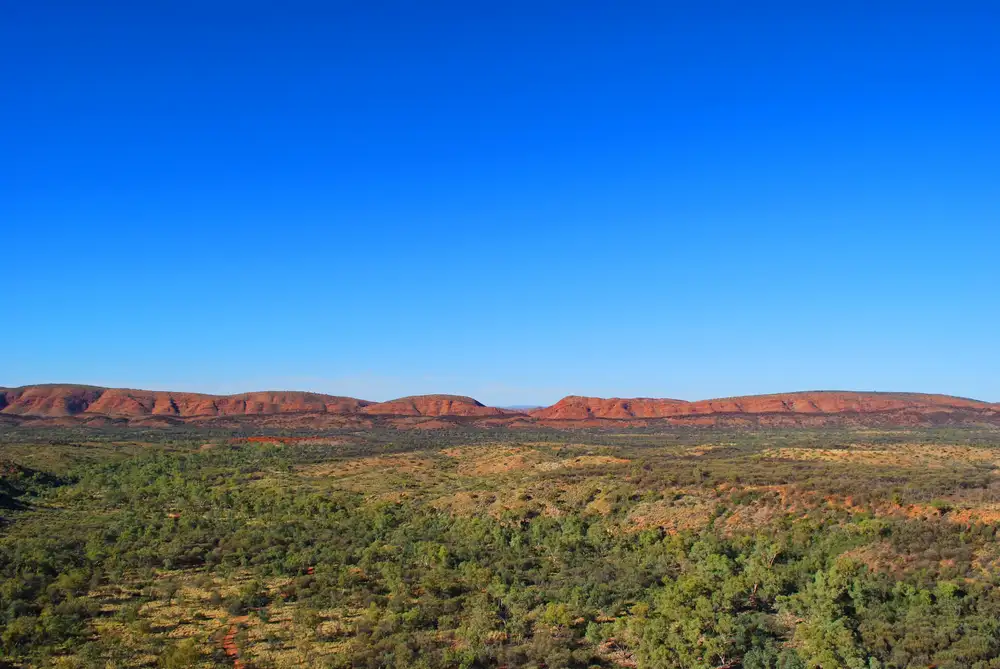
(803,403)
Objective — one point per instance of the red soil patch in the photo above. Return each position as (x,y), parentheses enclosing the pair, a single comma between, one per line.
(229,642)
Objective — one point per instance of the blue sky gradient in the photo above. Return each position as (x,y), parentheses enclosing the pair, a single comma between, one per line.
(512,200)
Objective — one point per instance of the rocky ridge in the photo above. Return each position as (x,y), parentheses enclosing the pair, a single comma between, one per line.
(70,404)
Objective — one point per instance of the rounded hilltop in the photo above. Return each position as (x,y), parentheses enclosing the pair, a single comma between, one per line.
(433,405)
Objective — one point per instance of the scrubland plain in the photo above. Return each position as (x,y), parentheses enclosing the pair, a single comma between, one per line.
(674,547)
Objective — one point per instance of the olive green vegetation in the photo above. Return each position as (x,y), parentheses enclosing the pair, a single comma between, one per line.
(688,549)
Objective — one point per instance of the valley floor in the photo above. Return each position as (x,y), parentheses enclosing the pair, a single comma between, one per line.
(687,548)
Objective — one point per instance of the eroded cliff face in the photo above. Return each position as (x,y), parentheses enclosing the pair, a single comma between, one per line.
(50,400)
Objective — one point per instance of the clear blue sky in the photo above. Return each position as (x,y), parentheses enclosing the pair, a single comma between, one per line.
(513,200)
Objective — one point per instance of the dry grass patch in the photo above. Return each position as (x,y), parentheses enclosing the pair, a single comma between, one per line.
(520,501)
(582,461)
(901,455)
(480,462)
(751,517)
(403,462)
(379,476)
(703,449)
(687,513)
(276,636)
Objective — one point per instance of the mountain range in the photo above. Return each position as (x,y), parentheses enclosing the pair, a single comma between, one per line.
(79,404)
